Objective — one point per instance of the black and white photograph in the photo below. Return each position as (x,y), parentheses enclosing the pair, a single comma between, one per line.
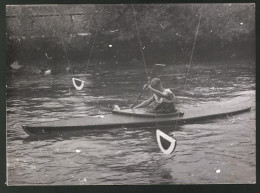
(130,94)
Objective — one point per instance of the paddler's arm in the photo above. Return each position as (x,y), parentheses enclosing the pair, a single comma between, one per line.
(145,103)
(157,92)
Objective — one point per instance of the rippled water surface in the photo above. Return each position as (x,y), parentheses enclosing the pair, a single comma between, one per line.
(215,151)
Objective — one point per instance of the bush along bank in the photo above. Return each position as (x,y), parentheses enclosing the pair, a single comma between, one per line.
(64,38)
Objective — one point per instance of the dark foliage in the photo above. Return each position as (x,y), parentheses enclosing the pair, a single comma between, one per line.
(69,33)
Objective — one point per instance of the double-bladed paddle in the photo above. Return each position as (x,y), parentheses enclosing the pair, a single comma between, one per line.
(154,72)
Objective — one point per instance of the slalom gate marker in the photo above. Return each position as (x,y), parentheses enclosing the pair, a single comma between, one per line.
(75,85)
(168,138)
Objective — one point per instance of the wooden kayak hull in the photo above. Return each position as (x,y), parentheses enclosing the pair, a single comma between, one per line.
(121,121)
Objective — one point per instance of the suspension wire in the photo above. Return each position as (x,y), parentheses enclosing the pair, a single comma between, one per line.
(62,41)
(92,47)
(193,47)
(140,43)
(66,53)
(195,38)
(67,56)
(141,48)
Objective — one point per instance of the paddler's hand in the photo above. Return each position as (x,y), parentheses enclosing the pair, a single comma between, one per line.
(145,86)
(149,87)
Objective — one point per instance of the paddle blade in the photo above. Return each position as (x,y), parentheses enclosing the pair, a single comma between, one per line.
(80,82)
(172,141)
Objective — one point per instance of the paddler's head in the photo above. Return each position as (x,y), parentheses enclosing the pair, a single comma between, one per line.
(156,83)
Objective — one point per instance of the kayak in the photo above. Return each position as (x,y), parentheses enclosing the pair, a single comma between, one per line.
(130,118)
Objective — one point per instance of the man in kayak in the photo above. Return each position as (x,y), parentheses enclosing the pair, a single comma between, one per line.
(164,99)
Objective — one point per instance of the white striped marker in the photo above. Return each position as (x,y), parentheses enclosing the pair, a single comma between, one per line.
(167,137)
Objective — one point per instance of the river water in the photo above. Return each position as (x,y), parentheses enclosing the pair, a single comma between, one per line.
(212,152)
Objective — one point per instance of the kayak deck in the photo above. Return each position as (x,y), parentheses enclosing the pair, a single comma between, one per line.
(144,113)
(122,120)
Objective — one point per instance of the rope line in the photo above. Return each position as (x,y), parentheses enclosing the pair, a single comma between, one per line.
(193,47)
(61,37)
(92,47)
(141,48)
(140,43)
(195,38)
(65,50)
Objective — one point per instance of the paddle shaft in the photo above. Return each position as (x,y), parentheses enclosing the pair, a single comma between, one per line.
(154,72)
(138,98)
(149,81)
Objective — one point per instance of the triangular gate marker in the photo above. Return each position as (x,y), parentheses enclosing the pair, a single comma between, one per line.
(168,138)
(75,85)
